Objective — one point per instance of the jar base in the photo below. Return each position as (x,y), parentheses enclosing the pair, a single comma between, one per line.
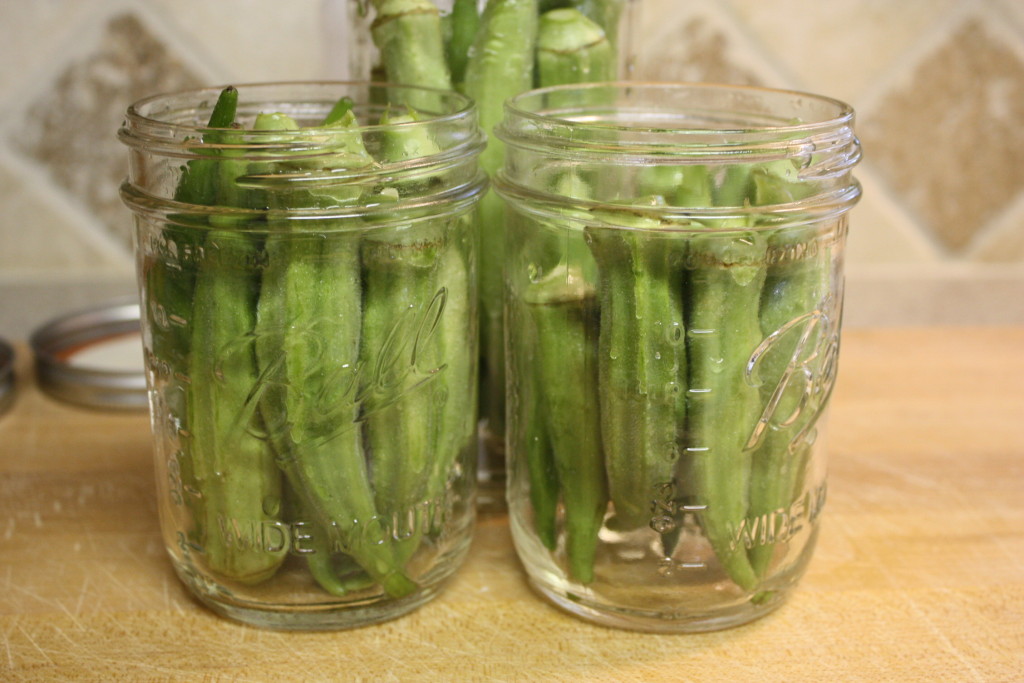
(310,617)
(332,619)
(663,622)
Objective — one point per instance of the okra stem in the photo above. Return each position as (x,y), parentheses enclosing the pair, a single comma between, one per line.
(198,181)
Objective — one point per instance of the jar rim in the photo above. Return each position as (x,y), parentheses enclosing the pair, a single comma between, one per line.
(165,130)
(656,123)
(625,127)
(841,112)
(148,122)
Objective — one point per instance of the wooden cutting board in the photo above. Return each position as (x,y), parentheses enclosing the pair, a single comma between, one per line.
(918,575)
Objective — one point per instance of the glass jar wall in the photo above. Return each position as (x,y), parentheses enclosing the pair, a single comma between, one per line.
(306,257)
(673,299)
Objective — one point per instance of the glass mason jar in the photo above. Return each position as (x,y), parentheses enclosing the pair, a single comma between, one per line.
(562,48)
(309,322)
(673,297)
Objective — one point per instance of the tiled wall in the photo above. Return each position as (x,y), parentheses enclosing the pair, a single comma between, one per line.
(938,86)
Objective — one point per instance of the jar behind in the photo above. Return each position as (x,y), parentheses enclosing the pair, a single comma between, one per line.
(309,320)
(673,303)
(562,50)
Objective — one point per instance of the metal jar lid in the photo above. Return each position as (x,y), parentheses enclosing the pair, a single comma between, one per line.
(68,350)
(6,376)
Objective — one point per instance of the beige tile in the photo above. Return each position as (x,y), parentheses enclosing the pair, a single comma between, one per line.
(40,235)
(839,47)
(934,295)
(950,141)
(673,41)
(70,129)
(881,233)
(1003,241)
(1012,10)
(255,40)
(32,33)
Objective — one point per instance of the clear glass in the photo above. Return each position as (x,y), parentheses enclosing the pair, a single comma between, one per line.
(310,337)
(616,17)
(673,303)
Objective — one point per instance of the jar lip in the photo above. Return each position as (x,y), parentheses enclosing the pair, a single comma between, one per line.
(637,124)
(842,113)
(144,127)
(386,214)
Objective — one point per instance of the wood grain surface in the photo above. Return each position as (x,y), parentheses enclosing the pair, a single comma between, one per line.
(918,575)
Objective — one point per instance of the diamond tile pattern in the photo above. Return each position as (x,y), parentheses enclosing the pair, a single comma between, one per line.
(951,144)
(938,86)
(71,129)
(694,49)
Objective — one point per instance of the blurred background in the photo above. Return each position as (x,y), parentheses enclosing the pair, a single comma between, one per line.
(938,86)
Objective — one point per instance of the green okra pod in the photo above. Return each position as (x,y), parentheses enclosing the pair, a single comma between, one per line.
(642,359)
(501,65)
(796,286)
(465,20)
(172,286)
(170,289)
(415,324)
(402,309)
(535,442)
(562,307)
(411,43)
(572,49)
(604,13)
(233,468)
(724,285)
(308,332)
(335,572)
(230,467)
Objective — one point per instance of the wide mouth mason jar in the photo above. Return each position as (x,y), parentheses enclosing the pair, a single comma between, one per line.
(673,299)
(306,258)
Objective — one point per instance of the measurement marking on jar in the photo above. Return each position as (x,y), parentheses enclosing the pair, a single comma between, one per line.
(668,566)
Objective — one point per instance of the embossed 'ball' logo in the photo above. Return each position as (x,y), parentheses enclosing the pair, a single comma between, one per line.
(339,383)
(798,362)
